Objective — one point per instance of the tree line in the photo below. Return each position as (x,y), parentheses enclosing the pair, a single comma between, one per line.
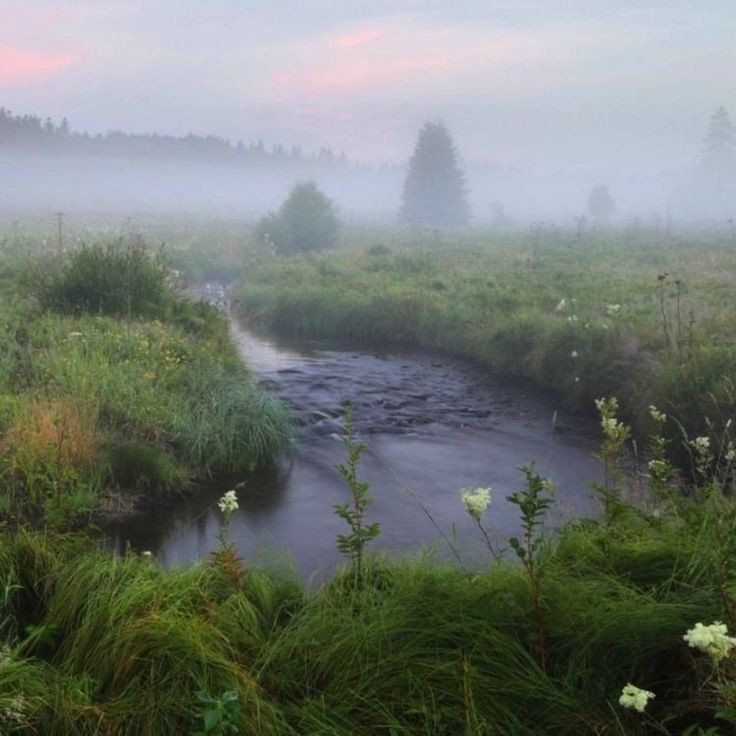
(31,133)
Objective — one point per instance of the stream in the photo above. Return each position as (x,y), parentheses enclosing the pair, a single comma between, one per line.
(432,424)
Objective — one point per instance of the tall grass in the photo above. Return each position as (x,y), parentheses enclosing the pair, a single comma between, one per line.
(107,387)
(413,647)
(583,318)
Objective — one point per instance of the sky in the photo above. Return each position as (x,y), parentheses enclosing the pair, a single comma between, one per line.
(540,85)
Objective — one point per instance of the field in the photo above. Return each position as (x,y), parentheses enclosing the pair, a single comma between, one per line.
(115,386)
(643,316)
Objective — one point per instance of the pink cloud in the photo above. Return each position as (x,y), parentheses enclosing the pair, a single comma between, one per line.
(367,36)
(21,66)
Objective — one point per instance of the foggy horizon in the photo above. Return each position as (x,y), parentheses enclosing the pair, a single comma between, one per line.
(583,87)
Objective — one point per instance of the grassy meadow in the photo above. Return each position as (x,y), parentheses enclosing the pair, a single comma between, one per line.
(111,381)
(643,316)
(115,387)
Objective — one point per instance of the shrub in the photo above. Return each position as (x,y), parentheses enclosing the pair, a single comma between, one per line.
(306,221)
(115,279)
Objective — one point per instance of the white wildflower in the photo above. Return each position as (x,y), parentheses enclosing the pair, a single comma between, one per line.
(476,501)
(574,354)
(572,318)
(147,554)
(561,306)
(577,379)
(701,445)
(657,415)
(607,404)
(730,453)
(658,467)
(635,698)
(613,310)
(228,503)
(713,640)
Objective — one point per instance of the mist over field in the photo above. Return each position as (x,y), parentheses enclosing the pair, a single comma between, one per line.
(223,109)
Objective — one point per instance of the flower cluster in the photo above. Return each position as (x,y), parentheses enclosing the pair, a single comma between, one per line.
(613,310)
(615,430)
(701,445)
(635,698)
(476,501)
(656,415)
(228,503)
(713,640)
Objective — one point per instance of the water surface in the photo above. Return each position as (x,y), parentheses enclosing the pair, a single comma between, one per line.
(432,426)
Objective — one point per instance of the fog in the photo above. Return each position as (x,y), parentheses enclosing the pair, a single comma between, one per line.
(224,107)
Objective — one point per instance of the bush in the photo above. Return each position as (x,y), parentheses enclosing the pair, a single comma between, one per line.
(306,221)
(115,279)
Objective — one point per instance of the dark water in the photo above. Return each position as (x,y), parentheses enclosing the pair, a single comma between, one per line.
(432,426)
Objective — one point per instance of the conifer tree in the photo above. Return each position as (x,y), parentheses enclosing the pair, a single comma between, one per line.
(434,191)
(718,147)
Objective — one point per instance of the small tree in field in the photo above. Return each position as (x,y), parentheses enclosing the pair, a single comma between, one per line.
(600,202)
(306,221)
(434,191)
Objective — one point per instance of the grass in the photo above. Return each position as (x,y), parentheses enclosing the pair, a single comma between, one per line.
(104,391)
(582,317)
(93,644)
(410,647)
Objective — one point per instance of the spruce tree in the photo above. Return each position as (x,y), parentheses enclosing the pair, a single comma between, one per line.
(718,146)
(434,191)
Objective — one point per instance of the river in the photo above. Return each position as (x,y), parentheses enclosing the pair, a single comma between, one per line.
(432,424)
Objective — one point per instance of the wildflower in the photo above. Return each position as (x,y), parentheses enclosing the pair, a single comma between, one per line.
(572,318)
(574,354)
(712,640)
(730,453)
(147,554)
(613,310)
(701,445)
(74,334)
(657,415)
(658,467)
(635,698)
(613,428)
(561,306)
(612,404)
(577,379)
(476,501)
(228,503)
